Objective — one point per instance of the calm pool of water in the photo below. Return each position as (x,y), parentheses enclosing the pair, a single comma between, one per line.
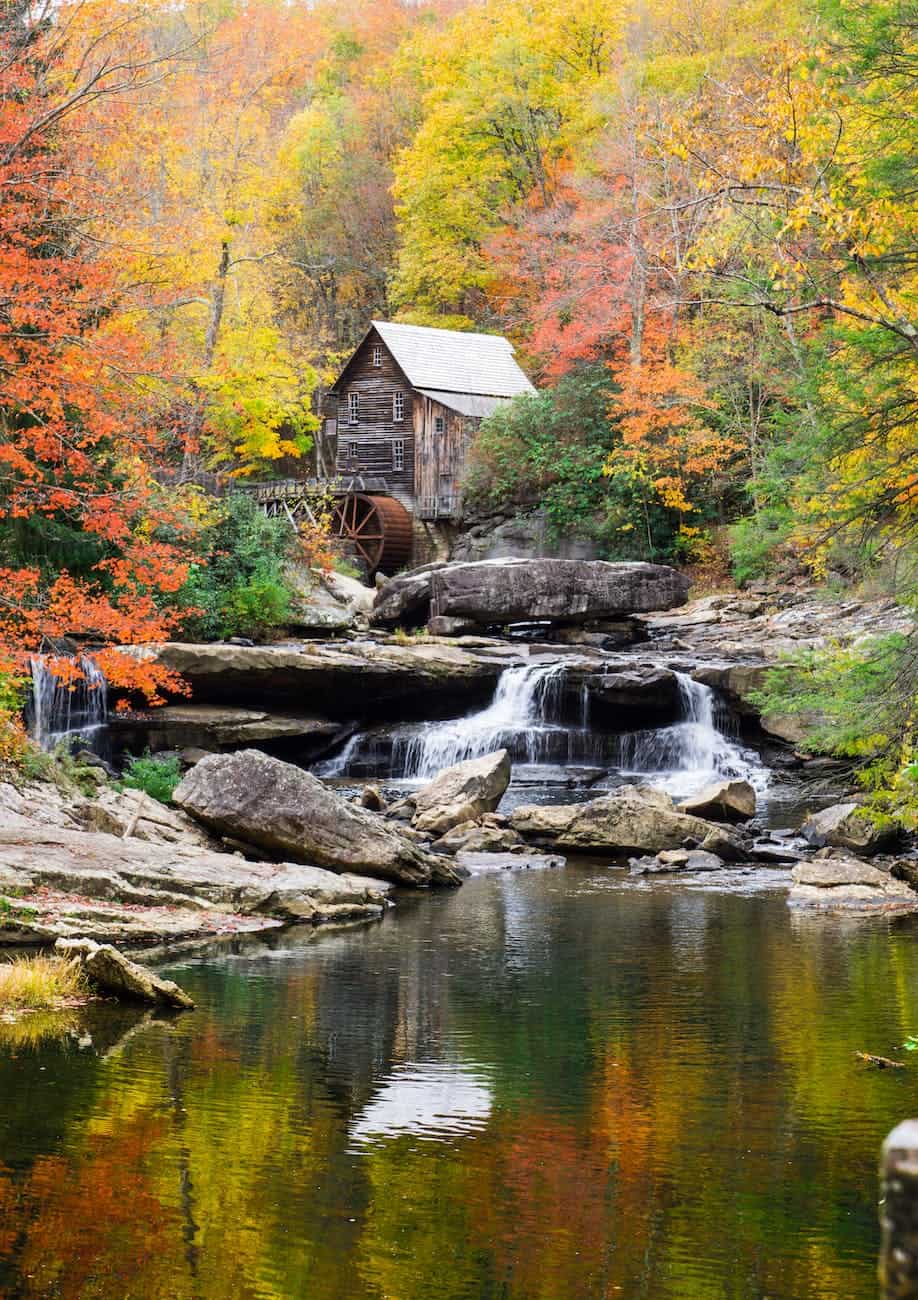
(544,1086)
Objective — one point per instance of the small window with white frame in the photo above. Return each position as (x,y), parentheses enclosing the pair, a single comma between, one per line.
(353,450)
(398,406)
(353,408)
(439,424)
(377,356)
(398,454)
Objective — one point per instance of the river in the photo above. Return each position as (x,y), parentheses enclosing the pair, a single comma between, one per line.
(547,1085)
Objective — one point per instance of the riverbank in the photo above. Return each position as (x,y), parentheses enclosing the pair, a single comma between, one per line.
(584,726)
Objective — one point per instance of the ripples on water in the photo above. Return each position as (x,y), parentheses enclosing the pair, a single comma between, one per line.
(543,1086)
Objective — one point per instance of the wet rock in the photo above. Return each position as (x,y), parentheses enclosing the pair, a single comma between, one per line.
(646,691)
(628,820)
(479,864)
(725,845)
(676,860)
(475,837)
(727,801)
(846,826)
(837,880)
(599,634)
(110,971)
(496,592)
(287,811)
(462,793)
(373,798)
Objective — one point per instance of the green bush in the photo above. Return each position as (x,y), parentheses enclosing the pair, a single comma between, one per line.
(547,451)
(157,777)
(239,588)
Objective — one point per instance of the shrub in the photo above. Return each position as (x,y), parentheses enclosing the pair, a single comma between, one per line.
(157,777)
(13,741)
(239,587)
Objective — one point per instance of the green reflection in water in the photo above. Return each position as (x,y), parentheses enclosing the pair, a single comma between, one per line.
(540,1087)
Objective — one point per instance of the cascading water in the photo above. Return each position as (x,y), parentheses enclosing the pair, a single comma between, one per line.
(66,705)
(693,752)
(517,719)
(527,717)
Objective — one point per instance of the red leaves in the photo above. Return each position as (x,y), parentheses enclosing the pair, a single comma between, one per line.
(77,443)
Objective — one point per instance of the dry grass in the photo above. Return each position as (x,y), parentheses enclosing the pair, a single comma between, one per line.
(40,983)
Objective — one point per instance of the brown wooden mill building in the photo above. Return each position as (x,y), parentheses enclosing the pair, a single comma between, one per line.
(398,422)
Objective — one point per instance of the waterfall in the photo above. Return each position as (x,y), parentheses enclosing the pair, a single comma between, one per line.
(692,752)
(517,718)
(64,706)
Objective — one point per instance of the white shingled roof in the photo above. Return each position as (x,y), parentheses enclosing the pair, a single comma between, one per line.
(451,361)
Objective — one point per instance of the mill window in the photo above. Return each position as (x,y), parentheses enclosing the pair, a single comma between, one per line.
(398,406)
(353,450)
(377,356)
(439,424)
(398,454)
(353,408)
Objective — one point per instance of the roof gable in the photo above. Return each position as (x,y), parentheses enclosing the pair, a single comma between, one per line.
(450,361)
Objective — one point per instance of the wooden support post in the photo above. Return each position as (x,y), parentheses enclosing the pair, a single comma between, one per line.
(899,1213)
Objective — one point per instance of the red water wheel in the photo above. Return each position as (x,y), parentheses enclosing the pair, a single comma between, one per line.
(378,528)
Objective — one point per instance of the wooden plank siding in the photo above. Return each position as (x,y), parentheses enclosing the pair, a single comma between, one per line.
(439,457)
(376,429)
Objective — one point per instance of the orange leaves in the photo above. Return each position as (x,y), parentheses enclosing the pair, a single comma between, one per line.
(77,446)
(665,439)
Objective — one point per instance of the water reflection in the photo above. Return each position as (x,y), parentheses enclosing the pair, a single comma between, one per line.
(541,1086)
(427,1100)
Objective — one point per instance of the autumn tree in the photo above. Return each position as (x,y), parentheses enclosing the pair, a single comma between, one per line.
(89,538)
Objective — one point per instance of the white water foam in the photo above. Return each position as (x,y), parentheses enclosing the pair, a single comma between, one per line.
(694,752)
(59,708)
(517,717)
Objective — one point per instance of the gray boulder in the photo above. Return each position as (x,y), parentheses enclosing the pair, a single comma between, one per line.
(278,807)
(672,860)
(109,970)
(723,801)
(845,826)
(645,690)
(837,880)
(474,837)
(628,820)
(405,600)
(564,591)
(462,793)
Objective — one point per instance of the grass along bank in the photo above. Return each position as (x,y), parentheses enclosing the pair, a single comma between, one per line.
(41,983)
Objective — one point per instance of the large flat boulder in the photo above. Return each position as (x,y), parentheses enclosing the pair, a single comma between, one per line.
(331,680)
(627,820)
(63,882)
(846,826)
(289,813)
(835,880)
(564,591)
(494,592)
(462,793)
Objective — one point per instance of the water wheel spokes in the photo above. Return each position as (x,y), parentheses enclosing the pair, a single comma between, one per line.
(357,519)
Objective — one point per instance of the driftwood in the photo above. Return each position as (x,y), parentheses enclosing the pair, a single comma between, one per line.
(881,1062)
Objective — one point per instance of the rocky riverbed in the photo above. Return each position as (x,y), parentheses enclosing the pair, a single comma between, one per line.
(256,840)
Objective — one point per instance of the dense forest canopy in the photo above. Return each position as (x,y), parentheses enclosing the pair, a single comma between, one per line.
(695,221)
